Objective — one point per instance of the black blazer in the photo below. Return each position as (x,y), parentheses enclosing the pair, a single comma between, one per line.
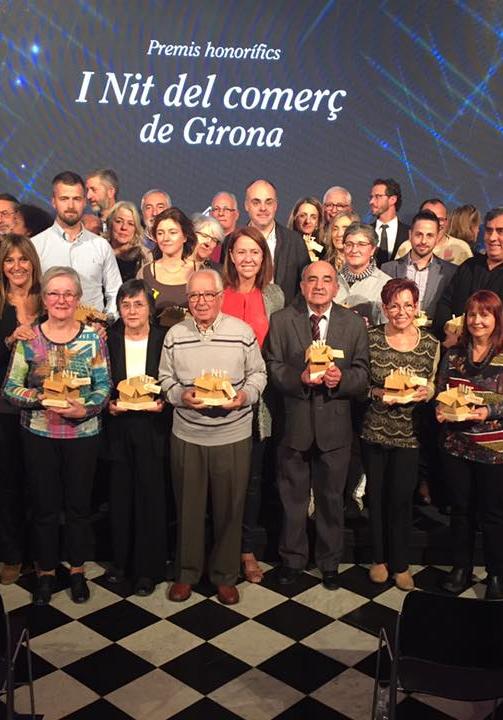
(316,414)
(402,234)
(290,258)
(156,425)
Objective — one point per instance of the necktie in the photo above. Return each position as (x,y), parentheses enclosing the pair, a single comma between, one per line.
(383,242)
(315,325)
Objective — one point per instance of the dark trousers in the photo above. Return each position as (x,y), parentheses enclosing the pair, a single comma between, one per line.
(60,476)
(326,473)
(391,481)
(251,530)
(12,490)
(475,487)
(138,501)
(224,471)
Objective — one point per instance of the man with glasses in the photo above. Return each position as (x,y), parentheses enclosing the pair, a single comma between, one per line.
(9,207)
(385,201)
(447,247)
(287,247)
(224,208)
(360,280)
(480,272)
(336,199)
(68,243)
(210,446)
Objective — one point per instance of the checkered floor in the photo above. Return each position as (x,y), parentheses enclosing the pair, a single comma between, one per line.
(294,653)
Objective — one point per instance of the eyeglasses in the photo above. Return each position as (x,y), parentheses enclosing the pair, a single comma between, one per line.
(7,213)
(207,237)
(349,245)
(67,296)
(337,206)
(208,296)
(395,308)
(376,196)
(135,305)
(223,209)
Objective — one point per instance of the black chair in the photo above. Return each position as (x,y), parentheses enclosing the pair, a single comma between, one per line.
(11,641)
(451,647)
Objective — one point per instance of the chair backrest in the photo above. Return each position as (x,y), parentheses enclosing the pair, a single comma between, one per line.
(452,631)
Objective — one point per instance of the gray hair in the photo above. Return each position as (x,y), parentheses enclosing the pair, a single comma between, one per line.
(359,228)
(151,192)
(61,271)
(209,225)
(338,188)
(226,192)
(219,285)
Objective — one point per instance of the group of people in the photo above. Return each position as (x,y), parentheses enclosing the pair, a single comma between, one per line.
(169,298)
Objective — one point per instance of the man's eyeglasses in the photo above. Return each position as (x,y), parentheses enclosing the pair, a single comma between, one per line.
(223,209)
(337,206)
(208,296)
(7,213)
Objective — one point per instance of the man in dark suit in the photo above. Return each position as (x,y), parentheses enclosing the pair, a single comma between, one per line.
(430,273)
(316,433)
(385,201)
(287,247)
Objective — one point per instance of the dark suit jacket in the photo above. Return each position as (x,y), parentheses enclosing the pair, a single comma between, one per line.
(439,276)
(402,235)
(290,258)
(316,414)
(157,425)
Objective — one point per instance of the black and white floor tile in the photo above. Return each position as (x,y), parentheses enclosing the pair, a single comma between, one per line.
(294,653)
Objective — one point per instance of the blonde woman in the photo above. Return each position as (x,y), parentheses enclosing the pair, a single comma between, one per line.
(334,235)
(124,232)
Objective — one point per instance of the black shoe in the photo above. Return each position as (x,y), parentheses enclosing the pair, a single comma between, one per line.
(288,575)
(330,580)
(458,580)
(494,590)
(144,586)
(78,588)
(114,575)
(43,590)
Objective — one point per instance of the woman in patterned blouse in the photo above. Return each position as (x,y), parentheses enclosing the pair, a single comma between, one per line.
(390,433)
(60,443)
(473,449)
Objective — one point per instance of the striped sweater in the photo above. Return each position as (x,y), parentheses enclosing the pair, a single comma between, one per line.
(229,345)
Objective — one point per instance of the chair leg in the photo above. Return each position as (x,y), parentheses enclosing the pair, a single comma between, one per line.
(30,675)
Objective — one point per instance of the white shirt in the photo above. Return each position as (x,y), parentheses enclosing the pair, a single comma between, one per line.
(136,356)
(271,242)
(391,232)
(323,322)
(90,255)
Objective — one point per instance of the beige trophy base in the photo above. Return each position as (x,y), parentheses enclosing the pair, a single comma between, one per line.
(147,405)
(54,402)
(400,397)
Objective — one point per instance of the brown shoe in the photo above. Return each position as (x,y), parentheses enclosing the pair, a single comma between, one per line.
(378,573)
(404,581)
(179,592)
(10,573)
(228,594)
